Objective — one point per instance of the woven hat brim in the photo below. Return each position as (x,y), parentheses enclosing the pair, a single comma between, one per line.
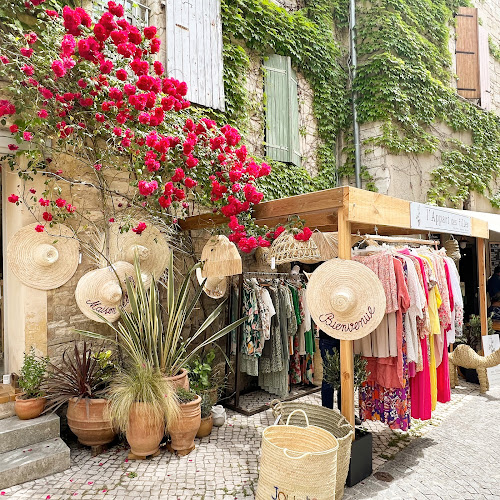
(121,245)
(20,256)
(89,297)
(214,288)
(362,283)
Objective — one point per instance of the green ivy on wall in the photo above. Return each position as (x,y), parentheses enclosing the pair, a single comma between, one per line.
(494,48)
(307,37)
(404,81)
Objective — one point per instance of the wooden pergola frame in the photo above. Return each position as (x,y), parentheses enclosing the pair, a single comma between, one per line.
(350,210)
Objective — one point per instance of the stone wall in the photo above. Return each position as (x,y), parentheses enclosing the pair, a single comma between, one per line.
(489,15)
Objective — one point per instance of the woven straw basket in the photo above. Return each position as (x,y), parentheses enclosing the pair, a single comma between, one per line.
(297,462)
(330,420)
(287,249)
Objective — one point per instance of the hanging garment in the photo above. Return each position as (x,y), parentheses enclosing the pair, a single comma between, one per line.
(382,265)
(273,364)
(443,377)
(420,388)
(458,303)
(252,338)
(266,311)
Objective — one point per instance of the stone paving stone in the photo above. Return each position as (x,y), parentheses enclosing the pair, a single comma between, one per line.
(445,458)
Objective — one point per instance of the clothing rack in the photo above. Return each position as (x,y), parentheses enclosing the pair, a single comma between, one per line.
(236,389)
(400,239)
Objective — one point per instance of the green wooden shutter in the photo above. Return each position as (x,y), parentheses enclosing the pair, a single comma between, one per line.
(282,110)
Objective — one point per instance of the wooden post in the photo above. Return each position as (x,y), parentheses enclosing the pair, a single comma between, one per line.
(481,269)
(346,346)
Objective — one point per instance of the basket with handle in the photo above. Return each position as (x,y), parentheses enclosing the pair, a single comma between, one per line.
(297,462)
(329,420)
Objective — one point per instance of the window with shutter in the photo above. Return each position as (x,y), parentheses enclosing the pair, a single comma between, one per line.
(194,49)
(484,69)
(467,53)
(135,13)
(282,110)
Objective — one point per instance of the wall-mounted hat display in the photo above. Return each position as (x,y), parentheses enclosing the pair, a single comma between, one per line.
(213,287)
(346,299)
(100,292)
(220,257)
(44,260)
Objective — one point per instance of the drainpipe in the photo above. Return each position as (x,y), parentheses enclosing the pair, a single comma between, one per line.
(354,96)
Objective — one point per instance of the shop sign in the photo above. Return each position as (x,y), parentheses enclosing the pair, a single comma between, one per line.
(491,343)
(438,220)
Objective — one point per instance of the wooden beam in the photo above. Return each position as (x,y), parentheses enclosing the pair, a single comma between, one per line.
(301,204)
(481,269)
(376,209)
(312,219)
(202,221)
(479,227)
(346,346)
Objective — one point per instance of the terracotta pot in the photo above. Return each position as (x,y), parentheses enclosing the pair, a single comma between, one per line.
(180,380)
(29,408)
(206,426)
(144,434)
(89,420)
(184,430)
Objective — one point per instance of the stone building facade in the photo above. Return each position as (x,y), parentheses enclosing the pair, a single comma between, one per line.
(48,320)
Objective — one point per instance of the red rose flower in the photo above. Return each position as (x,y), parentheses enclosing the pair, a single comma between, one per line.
(26,52)
(165,201)
(121,74)
(149,32)
(27,136)
(13,147)
(47,216)
(139,229)
(14,128)
(39,228)
(13,198)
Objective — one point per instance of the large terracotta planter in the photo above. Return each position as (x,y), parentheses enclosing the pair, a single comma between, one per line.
(206,426)
(184,430)
(89,420)
(180,380)
(29,408)
(144,434)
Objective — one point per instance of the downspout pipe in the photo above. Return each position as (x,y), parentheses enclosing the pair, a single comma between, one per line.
(354,95)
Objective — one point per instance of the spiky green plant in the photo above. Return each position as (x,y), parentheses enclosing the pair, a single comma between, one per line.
(144,335)
(142,384)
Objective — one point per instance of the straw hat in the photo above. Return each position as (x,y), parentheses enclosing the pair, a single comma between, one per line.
(99,291)
(214,287)
(150,246)
(43,260)
(328,245)
(346,299)
(220,257)
(285,248)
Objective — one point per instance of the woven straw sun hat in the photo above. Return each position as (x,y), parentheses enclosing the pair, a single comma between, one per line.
(346,299)
(150,246)
(213,287)
(43,260)
(220,257)
(99,291)
(285,248)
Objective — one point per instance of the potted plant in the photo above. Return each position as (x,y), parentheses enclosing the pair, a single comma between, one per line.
(152,333)
(80,381)
(183,430)
(142,402)
(206,423)
(31,402)
(201,376)
(360,466)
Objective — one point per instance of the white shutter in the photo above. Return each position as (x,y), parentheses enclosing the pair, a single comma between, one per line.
(484,68)
(194,49)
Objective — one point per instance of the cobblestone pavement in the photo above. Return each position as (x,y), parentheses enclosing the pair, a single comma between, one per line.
(452,456)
